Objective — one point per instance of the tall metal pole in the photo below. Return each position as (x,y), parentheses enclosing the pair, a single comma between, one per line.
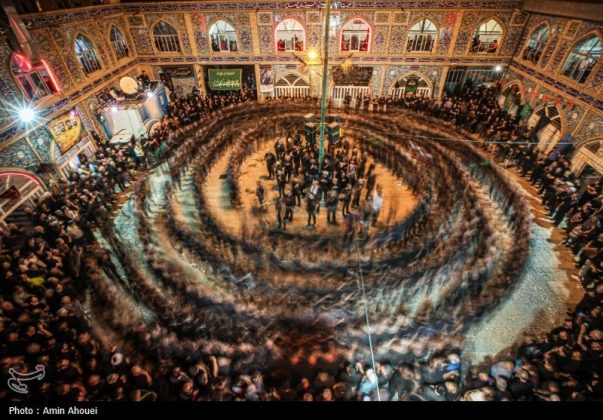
(325,81)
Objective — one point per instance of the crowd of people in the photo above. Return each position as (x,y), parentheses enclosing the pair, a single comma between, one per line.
(347,180)
(43,305)
(43,315)
(568,362)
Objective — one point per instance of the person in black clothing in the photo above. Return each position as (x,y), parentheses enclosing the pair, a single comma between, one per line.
(332,202)
(280,181)
(259,193)
(347,101)
(311,209)
(280,212)
(270,161)
(296,158)
(346,198)
(297,191)
(561,210)
(288,168)
(144,80)
(357,193)
(289,205)
(371,180)
(520,386)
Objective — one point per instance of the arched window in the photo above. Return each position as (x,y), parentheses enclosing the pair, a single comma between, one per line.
(36,82)
(118,43)
(487,38)
(355,36)
(291,86)
(290,36)
(86,54)
(546,122)
(422,36)
(223,37)
(166,38)
(587,160)
(595,148)
(18,188)
(536,43)
(582,59)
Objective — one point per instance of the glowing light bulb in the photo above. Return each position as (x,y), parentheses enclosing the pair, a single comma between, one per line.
(26,114)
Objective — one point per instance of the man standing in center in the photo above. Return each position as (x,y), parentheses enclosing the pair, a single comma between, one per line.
(332,201)
(289,204)
(311,209)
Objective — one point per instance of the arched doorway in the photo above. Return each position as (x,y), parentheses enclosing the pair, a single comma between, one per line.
(18,188)
(411,85)
(589,155)
(291,86)
(545,123)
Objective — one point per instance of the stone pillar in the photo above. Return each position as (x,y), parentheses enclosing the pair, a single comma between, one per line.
(441,83)
(256,68)
(455,33)
(190,30)
(200,79)
(382,70)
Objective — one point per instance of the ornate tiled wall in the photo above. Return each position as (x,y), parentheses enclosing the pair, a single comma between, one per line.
(45,43)
(105,26)
(18,155)
(255,23)
(590,129)
(573,100)
(266,32)
(42,141)
(139,32)
(8,88)
(393,73)
(176,20)
(201,23)
(447,25)
(470,23)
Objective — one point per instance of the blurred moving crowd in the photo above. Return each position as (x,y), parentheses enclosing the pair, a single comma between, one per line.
(44,301)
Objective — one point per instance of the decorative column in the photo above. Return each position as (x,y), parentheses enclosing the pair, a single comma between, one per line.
(258,87)
(325,82)
(442,82)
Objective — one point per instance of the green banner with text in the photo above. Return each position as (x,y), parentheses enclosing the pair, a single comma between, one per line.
(224,79)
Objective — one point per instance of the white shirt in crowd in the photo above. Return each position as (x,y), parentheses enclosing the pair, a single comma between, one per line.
(377,202)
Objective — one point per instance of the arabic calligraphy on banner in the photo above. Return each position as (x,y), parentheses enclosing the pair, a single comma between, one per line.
(224,79)
(356,76)
(178,72)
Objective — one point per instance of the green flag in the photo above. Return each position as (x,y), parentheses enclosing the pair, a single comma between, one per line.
(229,79)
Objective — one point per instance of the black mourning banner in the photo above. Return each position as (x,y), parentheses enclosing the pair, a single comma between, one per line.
(178,72)
(356,76)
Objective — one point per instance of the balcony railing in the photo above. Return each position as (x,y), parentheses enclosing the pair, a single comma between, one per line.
(167,43)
